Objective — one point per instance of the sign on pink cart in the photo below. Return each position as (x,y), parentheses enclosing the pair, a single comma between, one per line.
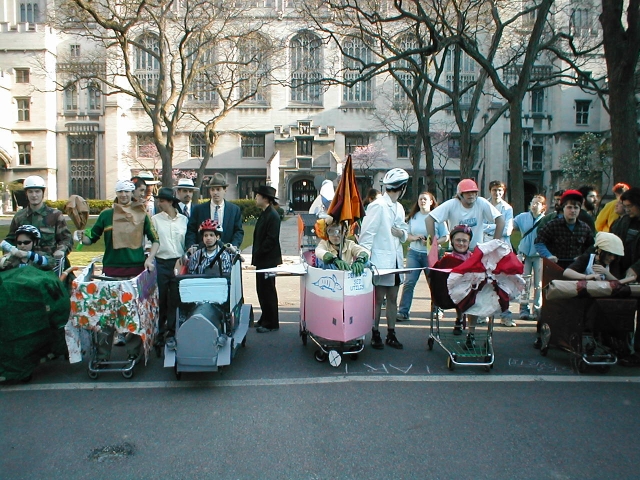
(337,305)
(129,305)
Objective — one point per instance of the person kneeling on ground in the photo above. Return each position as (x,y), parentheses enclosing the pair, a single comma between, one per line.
(27,240)
(353,256)
(461,236)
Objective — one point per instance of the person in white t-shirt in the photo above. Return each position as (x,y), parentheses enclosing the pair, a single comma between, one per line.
(418,249)
(466,208)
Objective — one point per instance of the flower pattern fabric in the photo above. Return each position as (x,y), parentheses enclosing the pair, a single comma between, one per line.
(131,306)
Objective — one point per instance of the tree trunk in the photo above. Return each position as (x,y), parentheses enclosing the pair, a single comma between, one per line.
(429,171)
(516,179)
(621,54)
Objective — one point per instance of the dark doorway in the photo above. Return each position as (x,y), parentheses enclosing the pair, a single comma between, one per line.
(303,193)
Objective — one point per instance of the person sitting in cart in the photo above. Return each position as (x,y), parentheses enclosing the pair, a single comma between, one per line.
(27,240)
(353,257)
(214,258)
(461,236)
(594,264)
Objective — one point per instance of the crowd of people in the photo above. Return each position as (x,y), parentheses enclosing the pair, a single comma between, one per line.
(161,229)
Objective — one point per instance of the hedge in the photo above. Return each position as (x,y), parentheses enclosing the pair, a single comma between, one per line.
(248,208)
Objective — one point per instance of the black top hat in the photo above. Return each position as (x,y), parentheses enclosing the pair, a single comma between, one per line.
(266,191)
(166,193)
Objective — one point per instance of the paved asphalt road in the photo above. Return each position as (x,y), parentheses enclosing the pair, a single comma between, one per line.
(278,413)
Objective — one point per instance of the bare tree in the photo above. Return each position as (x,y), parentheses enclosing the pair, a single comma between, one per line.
(174,58)
(621,36)
(368,159)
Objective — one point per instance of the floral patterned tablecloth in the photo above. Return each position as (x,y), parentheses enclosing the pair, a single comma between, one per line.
(129,305)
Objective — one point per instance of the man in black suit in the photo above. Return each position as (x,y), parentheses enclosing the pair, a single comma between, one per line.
(227,214)
(266,253)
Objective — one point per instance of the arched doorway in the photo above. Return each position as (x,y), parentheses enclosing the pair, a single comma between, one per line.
(303,193)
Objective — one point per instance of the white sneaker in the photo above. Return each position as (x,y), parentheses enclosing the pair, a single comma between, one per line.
(508,322)
(481,321)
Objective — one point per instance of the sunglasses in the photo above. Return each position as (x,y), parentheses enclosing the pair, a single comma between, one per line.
(26,242)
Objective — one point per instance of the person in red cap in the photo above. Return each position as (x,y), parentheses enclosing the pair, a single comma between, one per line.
(466,208)
(566,237)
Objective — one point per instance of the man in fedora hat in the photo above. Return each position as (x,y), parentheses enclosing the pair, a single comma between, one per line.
(226,213)
(171,227)
(266,254)
(184,192)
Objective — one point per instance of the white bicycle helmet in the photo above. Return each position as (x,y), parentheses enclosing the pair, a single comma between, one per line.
(34,181)
(395,178)
(29,230)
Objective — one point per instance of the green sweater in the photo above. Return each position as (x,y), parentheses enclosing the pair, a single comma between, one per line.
(121,257)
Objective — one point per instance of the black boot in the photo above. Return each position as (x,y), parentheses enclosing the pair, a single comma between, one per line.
(376,340)
(392,341)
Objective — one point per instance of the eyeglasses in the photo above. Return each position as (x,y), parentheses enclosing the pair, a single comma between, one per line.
(26,242)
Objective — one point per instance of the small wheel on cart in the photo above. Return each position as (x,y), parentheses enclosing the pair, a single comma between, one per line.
(353,356)
(320,356)
(303,336)
(127,374)
(582,366)
(335,359)
(430,343)
(603,368)
(487,368)
(450,364)
(92,375)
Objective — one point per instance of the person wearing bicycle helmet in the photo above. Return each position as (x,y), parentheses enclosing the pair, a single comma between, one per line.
(461,237)
(27,238)
(55,237)
(467,208)
(213,258)
(382,232)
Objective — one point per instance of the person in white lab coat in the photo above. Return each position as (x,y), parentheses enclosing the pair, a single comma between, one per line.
(382,232)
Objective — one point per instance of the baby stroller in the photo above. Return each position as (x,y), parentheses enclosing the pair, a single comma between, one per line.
(212,321)
(482,354)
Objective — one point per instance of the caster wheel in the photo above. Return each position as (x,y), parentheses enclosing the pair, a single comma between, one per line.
(303,337)
(243,343)
(335,359)
(545,336)
(353,356)
(450,364)
(92,375)
(320,356)
(128,374)
(487,368)
(582,366)
(430,343)
(603,368)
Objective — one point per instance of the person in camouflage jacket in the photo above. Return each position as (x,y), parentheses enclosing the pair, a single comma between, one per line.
(56,236)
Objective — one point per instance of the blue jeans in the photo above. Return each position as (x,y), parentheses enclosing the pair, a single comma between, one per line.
(414,260)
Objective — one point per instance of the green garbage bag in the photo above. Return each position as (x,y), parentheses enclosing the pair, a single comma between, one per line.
(35,309)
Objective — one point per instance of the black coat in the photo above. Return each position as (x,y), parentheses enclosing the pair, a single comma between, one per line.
(232,231)
(266,251)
